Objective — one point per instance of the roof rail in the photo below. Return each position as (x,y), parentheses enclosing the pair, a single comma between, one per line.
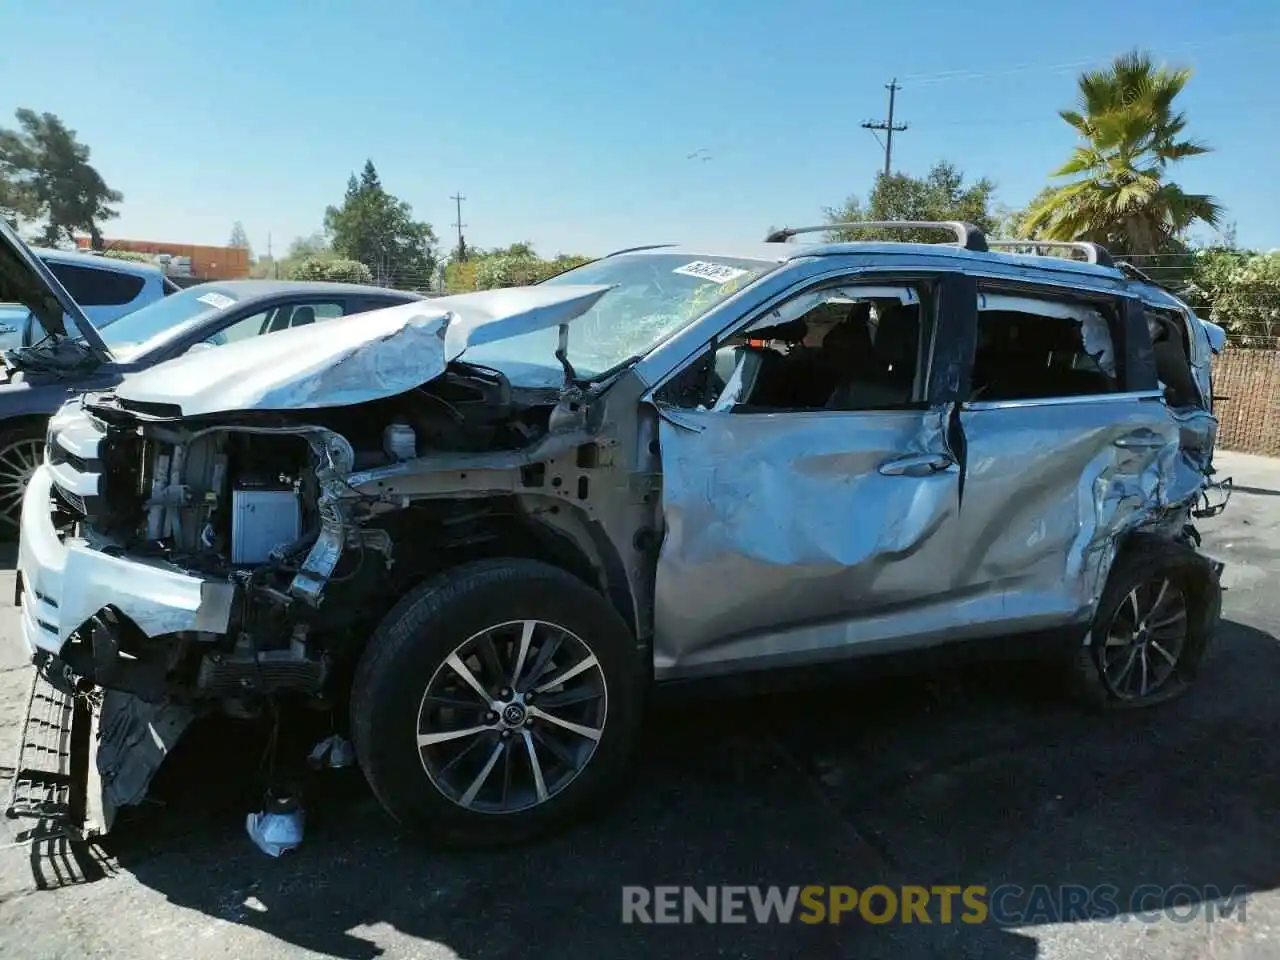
(968,236)
(645,246)
(1094,253)
(1133,273)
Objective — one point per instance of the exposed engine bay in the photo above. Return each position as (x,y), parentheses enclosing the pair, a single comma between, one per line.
(265,504)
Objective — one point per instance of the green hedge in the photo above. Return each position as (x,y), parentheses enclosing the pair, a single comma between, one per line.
(332,271)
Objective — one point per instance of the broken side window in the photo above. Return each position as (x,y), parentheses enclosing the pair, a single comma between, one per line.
(847,347)
(1173,363)
(1038,347)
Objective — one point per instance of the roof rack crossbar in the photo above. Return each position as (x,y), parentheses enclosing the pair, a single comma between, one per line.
(1094,253)
(968,236)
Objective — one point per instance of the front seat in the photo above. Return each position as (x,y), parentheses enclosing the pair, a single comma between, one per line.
(817,372)
(860,383)
(897,348)
(303,315)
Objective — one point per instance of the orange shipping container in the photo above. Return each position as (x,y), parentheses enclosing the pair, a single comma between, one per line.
(207,263)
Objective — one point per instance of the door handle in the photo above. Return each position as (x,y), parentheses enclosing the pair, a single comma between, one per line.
(917,465)
(1143,440)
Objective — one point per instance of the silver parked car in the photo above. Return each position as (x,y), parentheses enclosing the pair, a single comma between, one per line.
(489,523)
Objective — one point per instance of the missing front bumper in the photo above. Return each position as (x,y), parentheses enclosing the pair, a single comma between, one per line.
(85,753)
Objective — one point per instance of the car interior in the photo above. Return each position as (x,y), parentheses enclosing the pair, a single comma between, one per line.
(844,354)
(852,352)
(285,317)
(1023,356)
(1172,357)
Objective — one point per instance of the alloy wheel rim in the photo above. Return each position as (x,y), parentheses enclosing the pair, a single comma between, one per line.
(1145,640)
(512,716)
(18,463)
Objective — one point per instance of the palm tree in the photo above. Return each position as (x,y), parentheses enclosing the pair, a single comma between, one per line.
(1132,134)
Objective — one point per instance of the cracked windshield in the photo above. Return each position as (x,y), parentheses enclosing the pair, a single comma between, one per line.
(640,480)
(652,296)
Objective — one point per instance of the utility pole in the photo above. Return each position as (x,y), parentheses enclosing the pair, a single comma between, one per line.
(888,126)
(462,244)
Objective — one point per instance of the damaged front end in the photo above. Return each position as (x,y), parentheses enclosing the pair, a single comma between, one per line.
(226,535)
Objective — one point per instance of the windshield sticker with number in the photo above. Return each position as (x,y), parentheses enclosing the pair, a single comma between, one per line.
(715,272)
(216,300)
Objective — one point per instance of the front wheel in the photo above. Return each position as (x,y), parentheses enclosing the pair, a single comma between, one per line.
(496,702)
(21,452)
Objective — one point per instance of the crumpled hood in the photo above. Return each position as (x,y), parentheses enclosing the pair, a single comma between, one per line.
(355,359)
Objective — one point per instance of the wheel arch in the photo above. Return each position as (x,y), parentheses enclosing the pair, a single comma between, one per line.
(1175,550)
(24,423)
(531,528)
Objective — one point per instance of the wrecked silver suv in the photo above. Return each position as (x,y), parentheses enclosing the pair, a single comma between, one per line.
(490,522)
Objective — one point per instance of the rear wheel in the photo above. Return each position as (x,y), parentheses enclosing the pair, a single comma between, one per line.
(21,452)
(496,702)
(1151,628)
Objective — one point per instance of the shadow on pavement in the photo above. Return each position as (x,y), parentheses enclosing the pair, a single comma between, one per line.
(978,776)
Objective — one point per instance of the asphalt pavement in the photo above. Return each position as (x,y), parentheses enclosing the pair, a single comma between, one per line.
(976,776)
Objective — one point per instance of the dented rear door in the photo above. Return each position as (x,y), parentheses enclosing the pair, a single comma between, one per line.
(1054,480)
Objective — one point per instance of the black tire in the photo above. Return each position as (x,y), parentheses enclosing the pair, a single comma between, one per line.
(1139,568)
(18,442)
(414,641)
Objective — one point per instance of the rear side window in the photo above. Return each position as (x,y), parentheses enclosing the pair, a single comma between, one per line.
(97,288)
(1170,351)
(1037,348)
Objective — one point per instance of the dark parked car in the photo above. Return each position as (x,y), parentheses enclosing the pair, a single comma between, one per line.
(38,379)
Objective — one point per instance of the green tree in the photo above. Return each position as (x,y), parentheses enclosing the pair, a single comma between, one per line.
(377,229)
(264,268)
(939,195)
(315,246)
(1239,290)
(1119,193)
(460,275)
(239,238)
(517,270)
(16,200)
(522,248)
(513,266)
(509,270)
(45,174)
(312,247)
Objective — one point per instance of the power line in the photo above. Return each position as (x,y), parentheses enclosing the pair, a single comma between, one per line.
(457,198)
(1254,38)
(888,126)
(1253,104)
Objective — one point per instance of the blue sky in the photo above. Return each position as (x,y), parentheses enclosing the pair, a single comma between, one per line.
(569,123)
